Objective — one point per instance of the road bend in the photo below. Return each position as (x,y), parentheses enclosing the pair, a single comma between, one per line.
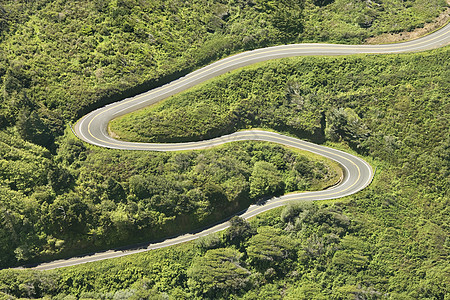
(93,129)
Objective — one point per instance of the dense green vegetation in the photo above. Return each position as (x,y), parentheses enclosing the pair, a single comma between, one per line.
(58,196)
(245,257)
(86,199)
(302,251)
(60,59)
(388,241)
(341,98)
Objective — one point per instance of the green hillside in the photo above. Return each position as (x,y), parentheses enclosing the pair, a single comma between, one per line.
(85,199)
(389,241)
(59,196)
(63,58)
(393,109)
(59,59)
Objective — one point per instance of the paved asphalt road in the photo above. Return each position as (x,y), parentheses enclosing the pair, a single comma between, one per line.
(92,128)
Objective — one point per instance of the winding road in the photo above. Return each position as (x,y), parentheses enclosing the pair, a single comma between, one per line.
(93,129)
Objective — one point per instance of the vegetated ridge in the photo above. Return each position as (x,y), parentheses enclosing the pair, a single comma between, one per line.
(59,59)
(388,240)
(401,218)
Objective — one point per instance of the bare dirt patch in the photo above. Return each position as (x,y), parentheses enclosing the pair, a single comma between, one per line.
(388,38)
(112,133)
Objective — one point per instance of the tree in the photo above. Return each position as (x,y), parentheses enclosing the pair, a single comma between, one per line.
(306,291)
(114,190)
(265,180)
(138,186)
(217,273)
(286,15)
(345,124)
(322,2)
(270,248)
(69,214)
(239,231)
(31,128)
(59,178)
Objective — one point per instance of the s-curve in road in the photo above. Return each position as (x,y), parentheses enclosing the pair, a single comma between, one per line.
(92,128)
(357,174)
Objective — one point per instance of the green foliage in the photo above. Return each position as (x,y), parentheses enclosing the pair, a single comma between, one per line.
(345,124)
(115,46)
(31,128)
(387,240)
(312,252)
(271,248)
(238,232)
(58,59)
(322,2)
(211,241)
(68,57)
(217,273)
(306,291)
(265,180)
(87,199)
(363,106)
(285,15)
(27,284)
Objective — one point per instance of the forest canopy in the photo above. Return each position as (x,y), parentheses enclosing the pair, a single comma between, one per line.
(59,196)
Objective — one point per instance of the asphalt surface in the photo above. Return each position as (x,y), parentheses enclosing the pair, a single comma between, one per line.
(92,129)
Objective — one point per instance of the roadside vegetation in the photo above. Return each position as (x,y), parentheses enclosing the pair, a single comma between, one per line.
(389,241)
(84,199)
(361,100)
(58,196)
(59,59)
